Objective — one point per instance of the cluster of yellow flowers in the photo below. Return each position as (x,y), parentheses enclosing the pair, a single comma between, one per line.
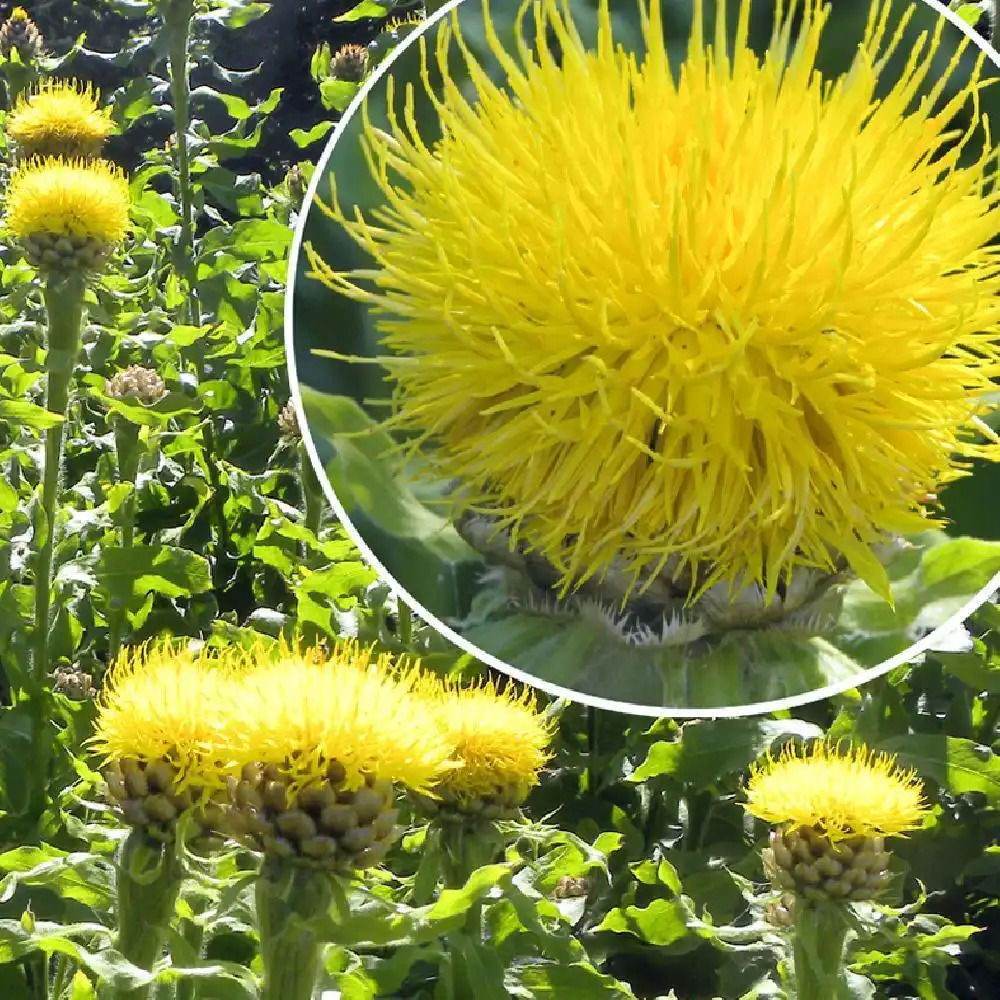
(300,749)
(67,208)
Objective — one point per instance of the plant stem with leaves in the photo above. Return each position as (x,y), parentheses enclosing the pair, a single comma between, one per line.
(290,902)
(149,880)
(819,934)
(64,309)
(177,17)
(128,453)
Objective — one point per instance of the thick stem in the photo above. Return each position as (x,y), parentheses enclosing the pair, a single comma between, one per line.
(819,934)
(149,880)
(64,308)
(465,848)
(127,449)
(289,902)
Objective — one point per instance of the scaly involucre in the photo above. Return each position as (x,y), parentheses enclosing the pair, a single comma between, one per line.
(744,317)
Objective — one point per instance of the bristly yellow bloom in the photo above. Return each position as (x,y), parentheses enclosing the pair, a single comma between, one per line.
(54,197)
(169,703)
(60,119)
(351,706)
(843,795)
(500,739)
(745,316)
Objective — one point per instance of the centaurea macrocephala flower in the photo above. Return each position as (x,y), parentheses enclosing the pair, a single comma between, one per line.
(726,322)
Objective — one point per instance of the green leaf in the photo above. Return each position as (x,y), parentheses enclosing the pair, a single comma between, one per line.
(128,575)
(456,902)
(21,413)
(709,750)
(336,95)
(306,137)
(579,981)
(961,766)
(81,876)
(367,8)
(661,923)
(82,988)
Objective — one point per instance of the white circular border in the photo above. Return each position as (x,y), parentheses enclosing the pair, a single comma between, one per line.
(649,711)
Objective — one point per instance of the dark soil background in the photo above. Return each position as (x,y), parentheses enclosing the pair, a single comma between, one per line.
(281,43)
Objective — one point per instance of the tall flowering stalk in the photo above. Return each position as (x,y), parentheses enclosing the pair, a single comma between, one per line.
(747,315)
(832,811)
(312,492)
(144,387)
(502,741)
(324,741)
(67,216)
(177,18)
(163,715)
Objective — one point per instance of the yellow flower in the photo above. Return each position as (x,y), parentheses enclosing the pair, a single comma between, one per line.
(351,707)
(168,703)
(54,197)
(745,315)
(857,793)
(500,738)
(60,119)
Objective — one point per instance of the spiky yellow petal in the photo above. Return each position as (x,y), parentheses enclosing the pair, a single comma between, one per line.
(168,702)
(62,118)
(841,794)
(499,737)
(743,316)
(59,198)
(352,706)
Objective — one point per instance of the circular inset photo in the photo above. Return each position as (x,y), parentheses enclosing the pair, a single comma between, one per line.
(650,347)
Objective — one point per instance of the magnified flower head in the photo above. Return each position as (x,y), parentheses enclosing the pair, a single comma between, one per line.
(67,214)
(745,315)
(62,118)
(501,740)
(841,795)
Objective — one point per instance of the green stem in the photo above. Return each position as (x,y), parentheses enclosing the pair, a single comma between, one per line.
(819,935)
(194,934)
(290,901)
(465,848)
(64,308)
(312,492)
(177,21)
(223,548)
(149,880)
(127,449)
(61,976)
(404,623)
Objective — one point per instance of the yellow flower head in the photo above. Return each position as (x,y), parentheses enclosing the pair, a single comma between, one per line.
(745,315)
(53,197)
(166,702)
(842,795)
(305,710)
(60,119)
(500,738)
